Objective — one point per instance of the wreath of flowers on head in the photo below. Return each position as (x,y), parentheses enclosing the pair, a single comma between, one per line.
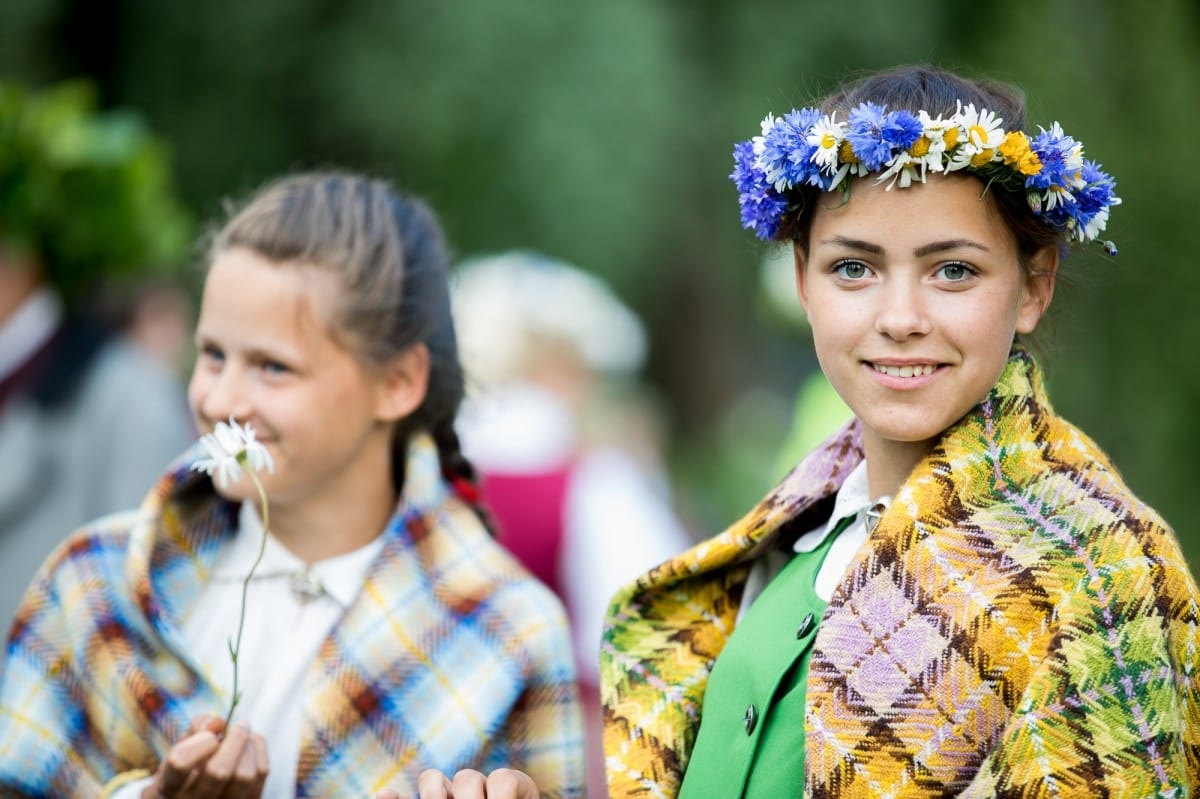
(810,148)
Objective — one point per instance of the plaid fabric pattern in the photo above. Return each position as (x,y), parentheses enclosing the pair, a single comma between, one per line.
(1018,625)
(452,656)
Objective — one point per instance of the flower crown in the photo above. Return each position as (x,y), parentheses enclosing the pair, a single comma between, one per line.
(810,148)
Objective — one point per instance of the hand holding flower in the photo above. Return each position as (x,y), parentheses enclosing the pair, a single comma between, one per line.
(207,763)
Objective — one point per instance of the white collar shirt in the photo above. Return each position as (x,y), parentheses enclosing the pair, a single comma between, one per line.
(853,499)
(291,607)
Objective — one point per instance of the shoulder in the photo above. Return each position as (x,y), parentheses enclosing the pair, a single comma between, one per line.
(1079,483)
(99,543)
(88,563)
(1096,534)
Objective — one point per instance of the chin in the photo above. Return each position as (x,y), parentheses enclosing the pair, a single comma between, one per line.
(238,492)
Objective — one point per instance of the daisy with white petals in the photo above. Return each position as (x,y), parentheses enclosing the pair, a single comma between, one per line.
(984,135)
(827,137)
(231,447)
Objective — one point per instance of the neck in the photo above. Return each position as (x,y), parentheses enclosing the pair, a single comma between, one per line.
(889,463)
(346,515)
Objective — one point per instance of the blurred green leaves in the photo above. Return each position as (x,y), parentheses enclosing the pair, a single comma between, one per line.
(86,194)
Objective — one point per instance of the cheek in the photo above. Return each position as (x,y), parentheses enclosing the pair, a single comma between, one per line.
(196,389)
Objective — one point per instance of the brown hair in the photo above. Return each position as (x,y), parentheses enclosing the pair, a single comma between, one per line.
(389,251)
(938,92)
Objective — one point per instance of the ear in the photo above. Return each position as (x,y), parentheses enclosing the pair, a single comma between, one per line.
(403,383)
(1038,290)
(801,288)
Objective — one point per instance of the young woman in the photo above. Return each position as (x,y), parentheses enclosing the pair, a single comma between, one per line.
(385,629)
(956,594)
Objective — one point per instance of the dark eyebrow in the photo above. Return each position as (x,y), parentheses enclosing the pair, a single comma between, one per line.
(855,244)
(923,250)
(942,246)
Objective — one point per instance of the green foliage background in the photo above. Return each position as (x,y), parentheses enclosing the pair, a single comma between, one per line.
(600,132)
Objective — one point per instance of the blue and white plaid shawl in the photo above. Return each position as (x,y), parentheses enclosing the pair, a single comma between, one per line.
(452,656)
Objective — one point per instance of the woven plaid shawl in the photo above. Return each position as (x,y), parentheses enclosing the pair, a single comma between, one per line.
(451,657)
(1018,625)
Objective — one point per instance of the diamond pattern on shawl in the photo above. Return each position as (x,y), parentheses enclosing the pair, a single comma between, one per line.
(899,643)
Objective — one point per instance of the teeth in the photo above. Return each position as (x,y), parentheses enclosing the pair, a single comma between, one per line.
(906,371)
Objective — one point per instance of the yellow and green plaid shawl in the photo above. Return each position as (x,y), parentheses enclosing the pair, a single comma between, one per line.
(452,657)
(1018,625)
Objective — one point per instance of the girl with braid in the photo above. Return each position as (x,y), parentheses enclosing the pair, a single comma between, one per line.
(956,594)
(385,630)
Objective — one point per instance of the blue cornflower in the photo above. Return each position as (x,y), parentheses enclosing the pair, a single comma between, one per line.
(746,176)
(901,129)
(1061,159)
(1099,190)
(1092,202)
(762,212)
(761,206)
(865,134)
(786,152)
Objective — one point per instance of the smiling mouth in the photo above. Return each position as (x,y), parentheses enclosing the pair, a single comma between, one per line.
(913,370)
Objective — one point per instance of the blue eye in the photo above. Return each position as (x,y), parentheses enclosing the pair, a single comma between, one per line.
(851,270)
(955,272)
(274,367)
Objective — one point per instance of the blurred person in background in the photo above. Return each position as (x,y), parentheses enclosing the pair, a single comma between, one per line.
(86,419)
(385,630)
(568,444)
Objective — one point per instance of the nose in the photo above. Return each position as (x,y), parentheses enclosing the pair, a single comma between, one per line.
(220,393)
(902,313)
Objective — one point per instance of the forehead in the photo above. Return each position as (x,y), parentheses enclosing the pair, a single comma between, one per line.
(942,208)
(245,291)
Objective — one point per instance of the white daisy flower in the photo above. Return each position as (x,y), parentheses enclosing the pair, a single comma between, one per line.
(983,137)
(826,135)
(939,135)
(231,446)
(904,169)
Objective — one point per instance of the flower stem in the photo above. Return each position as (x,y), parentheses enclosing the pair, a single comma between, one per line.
(236,645)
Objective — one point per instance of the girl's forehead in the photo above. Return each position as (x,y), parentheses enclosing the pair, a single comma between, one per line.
(246,291)
(942,208)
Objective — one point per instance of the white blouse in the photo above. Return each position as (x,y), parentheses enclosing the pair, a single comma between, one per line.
(853,499)
(291,607)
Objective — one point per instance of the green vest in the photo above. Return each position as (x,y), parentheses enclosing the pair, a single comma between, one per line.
(753,711)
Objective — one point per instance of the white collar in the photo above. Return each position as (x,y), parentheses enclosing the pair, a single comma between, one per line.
(27,330)
(852,499)
(342,576)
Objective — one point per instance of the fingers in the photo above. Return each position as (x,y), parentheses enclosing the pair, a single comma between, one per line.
(468,784)
(183,758)
(207,721)
(503,783)
(236,770)
(433,784)
(507,783)
(251,772)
